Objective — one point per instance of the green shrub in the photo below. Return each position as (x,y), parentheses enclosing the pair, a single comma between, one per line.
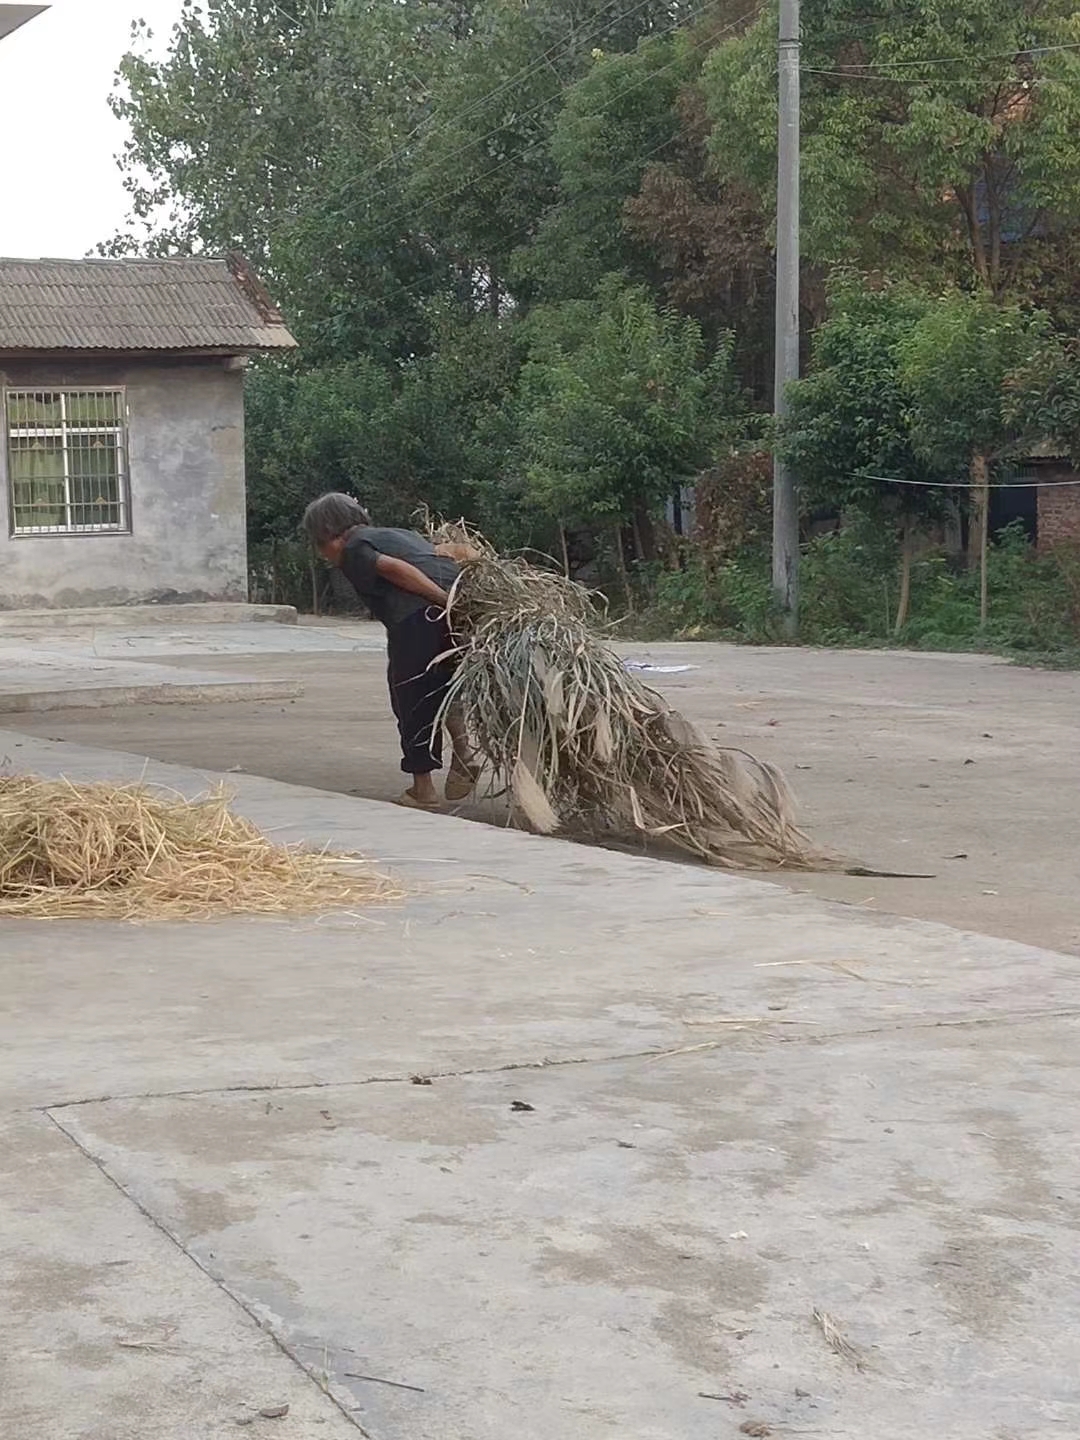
(849,585)
(849,589)
(733,600)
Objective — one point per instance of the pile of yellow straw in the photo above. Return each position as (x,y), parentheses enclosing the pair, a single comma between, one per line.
(135,852)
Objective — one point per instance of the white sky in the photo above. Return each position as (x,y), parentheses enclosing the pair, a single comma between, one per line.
(61,190)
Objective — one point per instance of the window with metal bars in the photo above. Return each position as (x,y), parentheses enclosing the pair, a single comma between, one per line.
(67,461)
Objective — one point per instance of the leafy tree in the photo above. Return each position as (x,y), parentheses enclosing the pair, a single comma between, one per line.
(270,129)
(619,404)
(940,140)
(707,244)
(850,422)
(434,436)
(615,120)
(1042,396)
(454,423)
(480,174)
(516,242)
(315,430)
(957,362)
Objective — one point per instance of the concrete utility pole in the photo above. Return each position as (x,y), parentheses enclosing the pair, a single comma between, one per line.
(785,559)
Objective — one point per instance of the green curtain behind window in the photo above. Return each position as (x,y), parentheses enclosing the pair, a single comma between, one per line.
(37,482)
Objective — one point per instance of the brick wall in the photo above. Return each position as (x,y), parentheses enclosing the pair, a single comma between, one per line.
(1059,508)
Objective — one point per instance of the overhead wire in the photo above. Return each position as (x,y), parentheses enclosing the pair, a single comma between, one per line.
(880,69)
(907,79)
(572,44)
(1020,52)
(966,484)
(523,232)
(411,212)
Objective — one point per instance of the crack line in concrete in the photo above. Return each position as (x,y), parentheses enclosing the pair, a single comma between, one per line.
(752,1025)
(175,1240)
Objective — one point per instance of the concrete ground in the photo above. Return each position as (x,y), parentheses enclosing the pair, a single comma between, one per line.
(698,1157)
(45,670)
(962,767)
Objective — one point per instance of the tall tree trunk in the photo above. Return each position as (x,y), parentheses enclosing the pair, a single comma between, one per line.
(980,494)
(620,562)
(969,205)
(565,550)
(993,221)
(645,533)
(635,531)
(907,550)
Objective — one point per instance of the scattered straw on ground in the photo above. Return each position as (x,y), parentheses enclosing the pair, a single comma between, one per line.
(133,852)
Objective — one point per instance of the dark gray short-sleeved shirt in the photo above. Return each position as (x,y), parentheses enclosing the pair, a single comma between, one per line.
(386,601)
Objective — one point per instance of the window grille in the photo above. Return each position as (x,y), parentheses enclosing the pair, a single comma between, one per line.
(67,461)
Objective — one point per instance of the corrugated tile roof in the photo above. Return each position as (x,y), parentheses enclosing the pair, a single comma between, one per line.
(182,304)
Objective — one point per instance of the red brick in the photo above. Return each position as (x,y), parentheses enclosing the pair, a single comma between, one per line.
(1059,508)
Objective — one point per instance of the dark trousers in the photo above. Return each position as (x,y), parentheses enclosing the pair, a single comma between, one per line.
(417,687)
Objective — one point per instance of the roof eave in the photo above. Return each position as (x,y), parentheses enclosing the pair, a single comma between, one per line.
(102,352)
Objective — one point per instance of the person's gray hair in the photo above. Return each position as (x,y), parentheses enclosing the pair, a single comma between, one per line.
(332,515)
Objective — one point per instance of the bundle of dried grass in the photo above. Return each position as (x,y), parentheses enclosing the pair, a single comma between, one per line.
(131,852)
(580,743)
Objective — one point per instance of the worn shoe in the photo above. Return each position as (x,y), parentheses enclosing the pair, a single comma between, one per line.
(461,782)
(409,800)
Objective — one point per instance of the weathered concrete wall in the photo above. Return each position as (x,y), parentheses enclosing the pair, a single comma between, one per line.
(186,463)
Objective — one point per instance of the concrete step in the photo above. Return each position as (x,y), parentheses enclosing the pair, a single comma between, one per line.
(210,613)
(182,691)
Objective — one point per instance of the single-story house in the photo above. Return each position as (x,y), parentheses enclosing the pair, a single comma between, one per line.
(122,428)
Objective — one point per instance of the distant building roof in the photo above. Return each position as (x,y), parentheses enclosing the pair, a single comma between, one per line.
(12,16)
(1047,449)
(183,304)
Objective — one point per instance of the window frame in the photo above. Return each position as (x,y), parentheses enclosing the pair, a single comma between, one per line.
(117,430)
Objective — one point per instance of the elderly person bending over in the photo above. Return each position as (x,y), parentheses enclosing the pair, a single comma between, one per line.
(405,583)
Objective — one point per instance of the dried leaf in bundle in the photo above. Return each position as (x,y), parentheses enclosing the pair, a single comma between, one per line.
(683,732)
(531,800)
(603,741)
(554,697)
(837,1341)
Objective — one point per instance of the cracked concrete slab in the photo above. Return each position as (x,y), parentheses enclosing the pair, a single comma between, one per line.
(649,1232)
(849,1111)
(512,948)
(109,1332)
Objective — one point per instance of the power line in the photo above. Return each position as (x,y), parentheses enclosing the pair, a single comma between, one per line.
(523,232)
(877,70)
(549,56)
(1019,53)
(967,484)
(408,212)
(909,79)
